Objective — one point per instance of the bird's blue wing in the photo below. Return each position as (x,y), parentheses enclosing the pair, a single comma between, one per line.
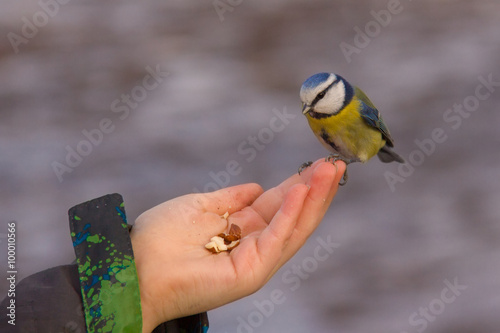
(372,116)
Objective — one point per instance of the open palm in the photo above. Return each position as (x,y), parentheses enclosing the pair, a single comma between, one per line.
(179,277)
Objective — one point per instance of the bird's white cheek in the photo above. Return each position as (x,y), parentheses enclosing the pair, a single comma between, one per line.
(322,109)
(334,99)
(327,106)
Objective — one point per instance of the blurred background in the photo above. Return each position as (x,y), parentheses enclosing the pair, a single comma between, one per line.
(417,248)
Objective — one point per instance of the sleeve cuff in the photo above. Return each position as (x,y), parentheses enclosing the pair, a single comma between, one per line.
(107,272)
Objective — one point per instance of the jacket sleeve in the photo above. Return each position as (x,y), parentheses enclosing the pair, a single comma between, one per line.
(48,301)
(106,267)
(98,294)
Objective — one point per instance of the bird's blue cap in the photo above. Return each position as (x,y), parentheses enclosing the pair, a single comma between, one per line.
(314,80)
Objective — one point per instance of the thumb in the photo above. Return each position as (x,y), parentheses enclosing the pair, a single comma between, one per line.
(230,199)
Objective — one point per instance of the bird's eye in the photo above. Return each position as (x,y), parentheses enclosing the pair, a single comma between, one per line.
(321,95)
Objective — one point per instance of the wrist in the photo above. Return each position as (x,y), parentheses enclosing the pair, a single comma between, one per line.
(152,313)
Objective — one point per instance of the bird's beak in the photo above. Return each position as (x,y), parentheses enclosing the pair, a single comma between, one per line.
(305,108)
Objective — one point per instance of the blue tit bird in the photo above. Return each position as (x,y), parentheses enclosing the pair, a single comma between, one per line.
(345,121)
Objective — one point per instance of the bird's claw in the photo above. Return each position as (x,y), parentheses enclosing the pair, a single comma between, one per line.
(304,166)
(335,157)
(330,158)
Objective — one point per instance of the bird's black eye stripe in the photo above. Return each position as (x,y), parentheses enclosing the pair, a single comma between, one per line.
(319,96)
(323,93)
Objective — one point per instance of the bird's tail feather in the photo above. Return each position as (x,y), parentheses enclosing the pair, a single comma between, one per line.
(387,155)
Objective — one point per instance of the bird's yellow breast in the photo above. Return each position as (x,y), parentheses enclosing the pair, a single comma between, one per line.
(351,136)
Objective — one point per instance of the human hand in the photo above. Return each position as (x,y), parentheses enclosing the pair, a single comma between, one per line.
(179,277)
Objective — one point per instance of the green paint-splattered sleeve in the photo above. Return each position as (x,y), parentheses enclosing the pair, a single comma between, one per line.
(106,267)
(108,277)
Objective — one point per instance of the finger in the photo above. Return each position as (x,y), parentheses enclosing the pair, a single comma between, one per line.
(273,239)
(268,203)
(325,179)
(341,167)
(324,185)
(230,199)
(307,172)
